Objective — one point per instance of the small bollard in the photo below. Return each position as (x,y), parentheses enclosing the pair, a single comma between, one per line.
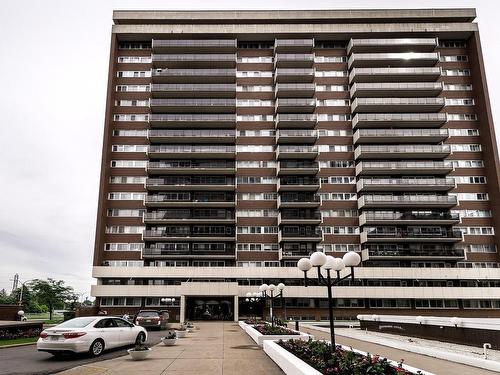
(297,325)
(486,346)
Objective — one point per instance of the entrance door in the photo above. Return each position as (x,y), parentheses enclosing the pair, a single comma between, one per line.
(210,308)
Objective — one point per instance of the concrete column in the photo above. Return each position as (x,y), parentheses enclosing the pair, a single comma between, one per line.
(183,308)
(236,316)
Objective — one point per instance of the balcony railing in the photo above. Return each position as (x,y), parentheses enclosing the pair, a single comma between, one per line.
(393,59)
(405,152)
(191,149)
(450,253)
(194,44)
(186,214)
(193,105)
(295,89)
(296,152)
(294,59)
(194,75)
(192,136)
(392,44)
(404,167)
(187,199)
(407,216)
(394,74)
(400,135)
(204,120)
(294,75)
(398,89)
(376,120)
(193,90)
(397,104)
(386,232)
(415,184)
(292,120)
(388,200)
(295,105)
(194,60)
(293,45)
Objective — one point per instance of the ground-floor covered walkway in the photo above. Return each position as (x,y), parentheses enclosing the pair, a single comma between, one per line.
(217,348)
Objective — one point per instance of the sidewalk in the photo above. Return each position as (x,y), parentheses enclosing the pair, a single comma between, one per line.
(435,365)
(217,348)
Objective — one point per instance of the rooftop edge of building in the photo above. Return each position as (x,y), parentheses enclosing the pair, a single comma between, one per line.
(292,16)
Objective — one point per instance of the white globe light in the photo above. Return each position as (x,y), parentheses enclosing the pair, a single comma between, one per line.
(338,264)
(304,264)
(249,294)
(263,287)
(281,286)
(272,287)
(20,313)
(375,317)
(351,259)
(420,319)
(455,321)
(318,259)
(329,262)
(255,294)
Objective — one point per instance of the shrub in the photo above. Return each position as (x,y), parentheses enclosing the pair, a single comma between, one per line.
(318,354)
(268,329)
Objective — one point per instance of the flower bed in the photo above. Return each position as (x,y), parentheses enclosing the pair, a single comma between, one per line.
(276,333)
(344,361)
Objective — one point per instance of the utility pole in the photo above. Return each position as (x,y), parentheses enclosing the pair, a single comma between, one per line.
(15,282)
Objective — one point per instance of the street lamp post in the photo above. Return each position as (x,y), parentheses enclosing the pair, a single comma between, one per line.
(251,298)
(328,263)
(21,292)
(271,288)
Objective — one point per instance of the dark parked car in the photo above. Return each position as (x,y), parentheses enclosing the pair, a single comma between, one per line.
(151,319)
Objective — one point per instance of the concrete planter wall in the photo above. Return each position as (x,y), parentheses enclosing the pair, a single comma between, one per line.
(292,365)
(259,338)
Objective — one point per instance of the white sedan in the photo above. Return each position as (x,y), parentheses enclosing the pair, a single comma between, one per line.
(92,334)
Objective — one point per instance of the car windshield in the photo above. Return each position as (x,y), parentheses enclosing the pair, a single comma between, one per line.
(148,314)
(77,323)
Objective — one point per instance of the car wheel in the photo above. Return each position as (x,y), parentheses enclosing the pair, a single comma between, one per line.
(96,348)
(141,337)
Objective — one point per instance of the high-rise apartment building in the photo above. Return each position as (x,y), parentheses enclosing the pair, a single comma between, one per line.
(237,142)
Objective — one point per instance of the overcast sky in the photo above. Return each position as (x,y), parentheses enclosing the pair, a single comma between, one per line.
(53,67)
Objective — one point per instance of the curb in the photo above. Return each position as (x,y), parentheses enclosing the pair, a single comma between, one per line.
(16,345)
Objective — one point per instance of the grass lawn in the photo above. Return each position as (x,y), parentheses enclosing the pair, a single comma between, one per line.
(18,341)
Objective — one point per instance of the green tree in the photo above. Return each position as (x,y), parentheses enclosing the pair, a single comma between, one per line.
(52,293)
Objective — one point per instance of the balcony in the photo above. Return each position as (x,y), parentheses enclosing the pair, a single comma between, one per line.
(295,90)
(191,136)
(194,75)
(405,184)
(392,45)
(425,74)
(419,253)
(194,45)
(193,90)
(400,90)
(294,60)
(408,218)
(383,105)
(296,152)
(295,200)
(407,200)
(163,235)
(296,136)
(300,217)
(427,168)
(397,59)
(292,167)
(294,254)
(363,136)
(298,184)
(293,45)
(286,120)
(189,167)
(187,217)
(185,199)
(294,75)
(300,234)
(402,152)
(399,120)
(206,60)
(193,121)
(286,105)
(392,234)
(173,253)
(193,105)
(192,152)
(186,183)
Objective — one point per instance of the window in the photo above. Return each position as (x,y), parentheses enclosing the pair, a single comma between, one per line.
(463,132)
(462,117)
(123,247)
(257,230)
(132,74)
(132,88)
(456,72)
(456,58)
(137,117)
(257,196)
(135,180)
(340,247)
(132,103)
(257,213)
(256,133)
(129,163)
(471,196)
(125,212)
(452,44)
(254,103)
(124,263)
(254,118)
(256,164)
(334,102)
(124,229)
(255,59)
(258,264)
(257,247)
(341,230)
(467,163)
(340,213)
(134,45)
(489,248)
(457,87)
(129,148)
(338,196)
(255,88)
(436,304)
(330,73)
(463,102)
(332,88)
(118,301)
(130,133)
(254,74)
(473,213)
(126,196)
(330,59)
(469,179)
(337,164)
(134,59)
(254,148)
(465,148)
(338,180)
(334,133)
(477,231)
(256,180)
(328,117)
